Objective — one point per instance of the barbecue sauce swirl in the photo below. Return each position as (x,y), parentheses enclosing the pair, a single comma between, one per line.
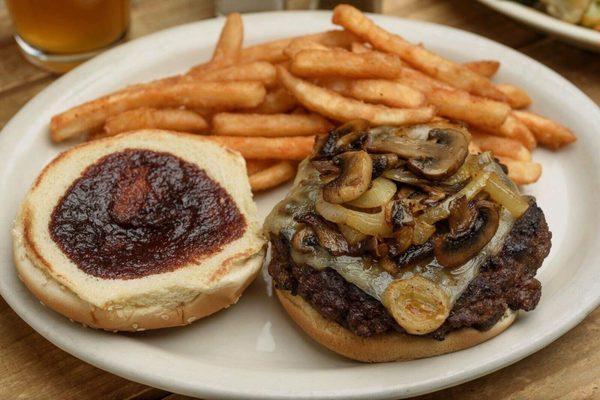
(138,212)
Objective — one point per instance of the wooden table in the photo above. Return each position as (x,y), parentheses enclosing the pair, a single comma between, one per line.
(31,367)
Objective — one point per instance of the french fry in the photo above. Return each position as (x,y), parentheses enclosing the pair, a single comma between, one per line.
(547,132)
(474,110)
(515,96)
(473,148)
(438,67)
(378,91)
(260,71)
(276,101)
(487,68)
(455,103)
(273,176)
(91,115)
(337,62)
(263,148)
(300,44)
(229,46)
(501,146)
(513,128)
(273,51)
(522,172)
(152,118)
(254,166)
(334,106)
(358,47)
(269,125)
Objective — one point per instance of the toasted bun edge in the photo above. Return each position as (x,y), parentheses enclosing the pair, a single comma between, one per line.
(383,348)
(62,300)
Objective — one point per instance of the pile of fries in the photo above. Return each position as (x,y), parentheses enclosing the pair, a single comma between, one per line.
(269,101)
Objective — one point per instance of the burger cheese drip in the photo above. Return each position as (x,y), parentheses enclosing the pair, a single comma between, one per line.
(405,214)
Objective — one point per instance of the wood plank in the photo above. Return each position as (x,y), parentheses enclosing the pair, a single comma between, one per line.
(464,14)
(567,369)
(33,368)
(12,100)
(15,71)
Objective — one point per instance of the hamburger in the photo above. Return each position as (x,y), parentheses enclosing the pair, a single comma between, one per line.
(144,230)
(396,243)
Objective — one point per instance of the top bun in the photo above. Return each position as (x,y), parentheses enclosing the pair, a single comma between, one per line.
(204,279)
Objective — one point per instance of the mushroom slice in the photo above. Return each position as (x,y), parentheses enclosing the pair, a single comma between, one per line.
(328,234)
(349,136)
(353,180)
(304,240)
(436,158)
(384,162)
(465,240)
(325,167)
(420,254)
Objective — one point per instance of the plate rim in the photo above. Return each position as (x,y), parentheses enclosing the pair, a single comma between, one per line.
(576,34)
(185,387)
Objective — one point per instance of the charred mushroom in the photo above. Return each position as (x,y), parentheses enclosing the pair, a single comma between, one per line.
(354,178)
(383,162)
(436,158)
(325,167)
(349,136)
(415,255)
(328,234)
(471,228)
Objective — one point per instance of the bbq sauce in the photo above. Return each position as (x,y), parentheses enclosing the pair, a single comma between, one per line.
(138,212)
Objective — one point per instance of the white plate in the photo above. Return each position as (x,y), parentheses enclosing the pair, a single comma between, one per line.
(252,350)
(575,34)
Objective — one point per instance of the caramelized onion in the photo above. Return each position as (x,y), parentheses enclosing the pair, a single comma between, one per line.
(502,194)
(352,235)
(381,192)
(369,224)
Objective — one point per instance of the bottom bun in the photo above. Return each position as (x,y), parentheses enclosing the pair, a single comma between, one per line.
(62,300)
(383,348)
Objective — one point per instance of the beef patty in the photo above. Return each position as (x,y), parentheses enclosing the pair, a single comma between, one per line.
(504,281)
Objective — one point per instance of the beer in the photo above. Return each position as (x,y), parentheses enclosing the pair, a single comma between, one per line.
(68,27)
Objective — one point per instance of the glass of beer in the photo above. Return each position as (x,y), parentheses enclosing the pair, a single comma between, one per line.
(60,34)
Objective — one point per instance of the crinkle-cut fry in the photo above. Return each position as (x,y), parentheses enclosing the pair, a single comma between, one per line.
(260,71)
(474,110)
(332,105)
(487,68)
(445,70)
(297,45)
(343,63)
(224,95)
(265,148)
(277,101)
(547,132)
(515,96)
(152,118)
(273,176)
(273,51)
(358,48)
(254,166)
(379,91)
(522,172)
(501,146)
(269,125)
